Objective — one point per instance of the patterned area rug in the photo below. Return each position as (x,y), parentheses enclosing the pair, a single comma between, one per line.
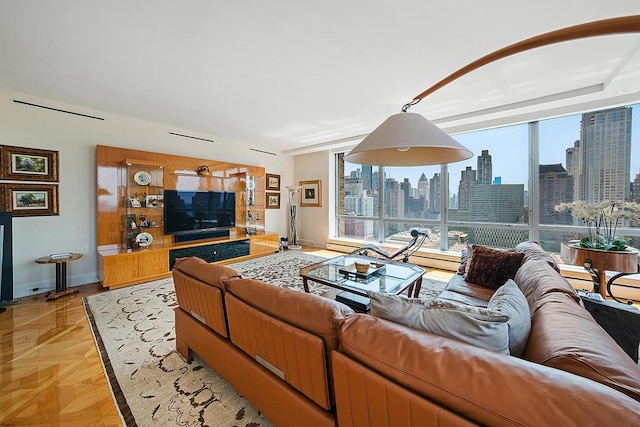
(152,384)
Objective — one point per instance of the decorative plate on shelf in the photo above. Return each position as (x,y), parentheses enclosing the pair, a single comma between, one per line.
(142,178)
(144,239)
(251,184)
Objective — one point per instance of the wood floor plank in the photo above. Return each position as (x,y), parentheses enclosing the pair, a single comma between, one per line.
(50,370)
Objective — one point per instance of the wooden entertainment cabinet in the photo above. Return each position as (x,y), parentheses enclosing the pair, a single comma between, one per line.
(132,246)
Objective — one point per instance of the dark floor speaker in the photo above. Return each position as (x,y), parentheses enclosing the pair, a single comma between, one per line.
(6,257)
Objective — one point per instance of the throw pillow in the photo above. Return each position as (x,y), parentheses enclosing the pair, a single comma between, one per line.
(478,326)
(490,267)
(511,302)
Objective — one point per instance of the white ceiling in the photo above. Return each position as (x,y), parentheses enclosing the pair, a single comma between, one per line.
(286,75)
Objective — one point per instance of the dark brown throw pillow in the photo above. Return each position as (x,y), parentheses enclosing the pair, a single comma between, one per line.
(491,268)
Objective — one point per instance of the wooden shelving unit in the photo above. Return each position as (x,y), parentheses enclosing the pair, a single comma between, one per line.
(122,263)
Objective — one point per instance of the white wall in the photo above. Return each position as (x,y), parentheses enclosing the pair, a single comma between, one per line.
(75,138)
(313,222)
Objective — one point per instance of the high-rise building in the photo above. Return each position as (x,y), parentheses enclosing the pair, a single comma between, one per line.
(556,186)
(635,189)
(497,203)
(604,156)
(434,193)
(374,180)
(424,192)
(393,199)
(353,186)
(485,173)
(358,205)
(571,157)
(467,180)
(406,188)
(367,177)
(423,186)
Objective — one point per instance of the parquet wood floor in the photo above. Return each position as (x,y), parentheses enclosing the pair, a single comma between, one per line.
(50,371)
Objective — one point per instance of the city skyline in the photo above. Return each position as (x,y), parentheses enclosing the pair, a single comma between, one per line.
(508,160)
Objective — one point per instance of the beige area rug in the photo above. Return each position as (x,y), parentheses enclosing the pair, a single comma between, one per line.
(152,384)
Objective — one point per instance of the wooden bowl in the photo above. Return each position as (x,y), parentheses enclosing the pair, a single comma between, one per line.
(362,267)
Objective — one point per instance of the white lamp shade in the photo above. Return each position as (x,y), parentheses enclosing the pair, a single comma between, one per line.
(408,139)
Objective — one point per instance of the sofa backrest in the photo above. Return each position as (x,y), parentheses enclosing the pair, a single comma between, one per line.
(199,291)
(290,333)
(565,336)
(538,280)
(481,385)
(534,252)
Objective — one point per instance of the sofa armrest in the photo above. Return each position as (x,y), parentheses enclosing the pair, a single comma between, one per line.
(481,385)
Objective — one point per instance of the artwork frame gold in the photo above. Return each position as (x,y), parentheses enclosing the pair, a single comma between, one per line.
(28,164)
(311,193)
(273,182)
(29,199)
(272,200)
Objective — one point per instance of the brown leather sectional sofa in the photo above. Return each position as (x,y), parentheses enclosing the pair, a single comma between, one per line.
(306,360)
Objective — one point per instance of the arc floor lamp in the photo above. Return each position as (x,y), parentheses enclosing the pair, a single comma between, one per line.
(409,139)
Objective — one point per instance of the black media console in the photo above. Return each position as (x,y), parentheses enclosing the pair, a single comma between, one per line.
(213,252)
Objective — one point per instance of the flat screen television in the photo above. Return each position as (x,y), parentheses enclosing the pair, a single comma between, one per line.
(187,212)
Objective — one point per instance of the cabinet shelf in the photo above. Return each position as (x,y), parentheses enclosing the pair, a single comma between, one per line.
(141,204)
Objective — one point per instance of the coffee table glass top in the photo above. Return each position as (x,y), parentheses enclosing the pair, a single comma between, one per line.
(392,279)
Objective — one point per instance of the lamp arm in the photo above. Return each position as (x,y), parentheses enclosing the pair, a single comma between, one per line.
(625,24)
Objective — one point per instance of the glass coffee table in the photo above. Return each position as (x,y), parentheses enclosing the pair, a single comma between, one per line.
(391,278)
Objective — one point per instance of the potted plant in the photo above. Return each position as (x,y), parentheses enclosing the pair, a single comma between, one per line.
(602,220)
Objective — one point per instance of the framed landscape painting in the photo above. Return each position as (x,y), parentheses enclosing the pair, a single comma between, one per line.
(29,199)
(273,200)
(311,193)
(273,182)
(28,164)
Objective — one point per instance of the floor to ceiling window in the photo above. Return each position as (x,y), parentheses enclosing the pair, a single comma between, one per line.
(507,192)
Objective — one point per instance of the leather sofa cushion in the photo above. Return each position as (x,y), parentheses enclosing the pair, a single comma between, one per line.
(486,387)
(199,291)
(565,336)
(211,274)
(309,312)
(537,279)
(296,356)
(458,285)
(462,299)
(533,251)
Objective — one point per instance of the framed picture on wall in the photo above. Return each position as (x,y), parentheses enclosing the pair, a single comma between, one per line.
(28,164)
(311,193)
(29,199)
(273,182)
(273,200)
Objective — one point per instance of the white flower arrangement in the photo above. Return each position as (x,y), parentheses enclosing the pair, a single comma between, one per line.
(602,220)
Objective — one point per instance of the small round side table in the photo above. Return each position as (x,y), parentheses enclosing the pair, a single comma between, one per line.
(60,260)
